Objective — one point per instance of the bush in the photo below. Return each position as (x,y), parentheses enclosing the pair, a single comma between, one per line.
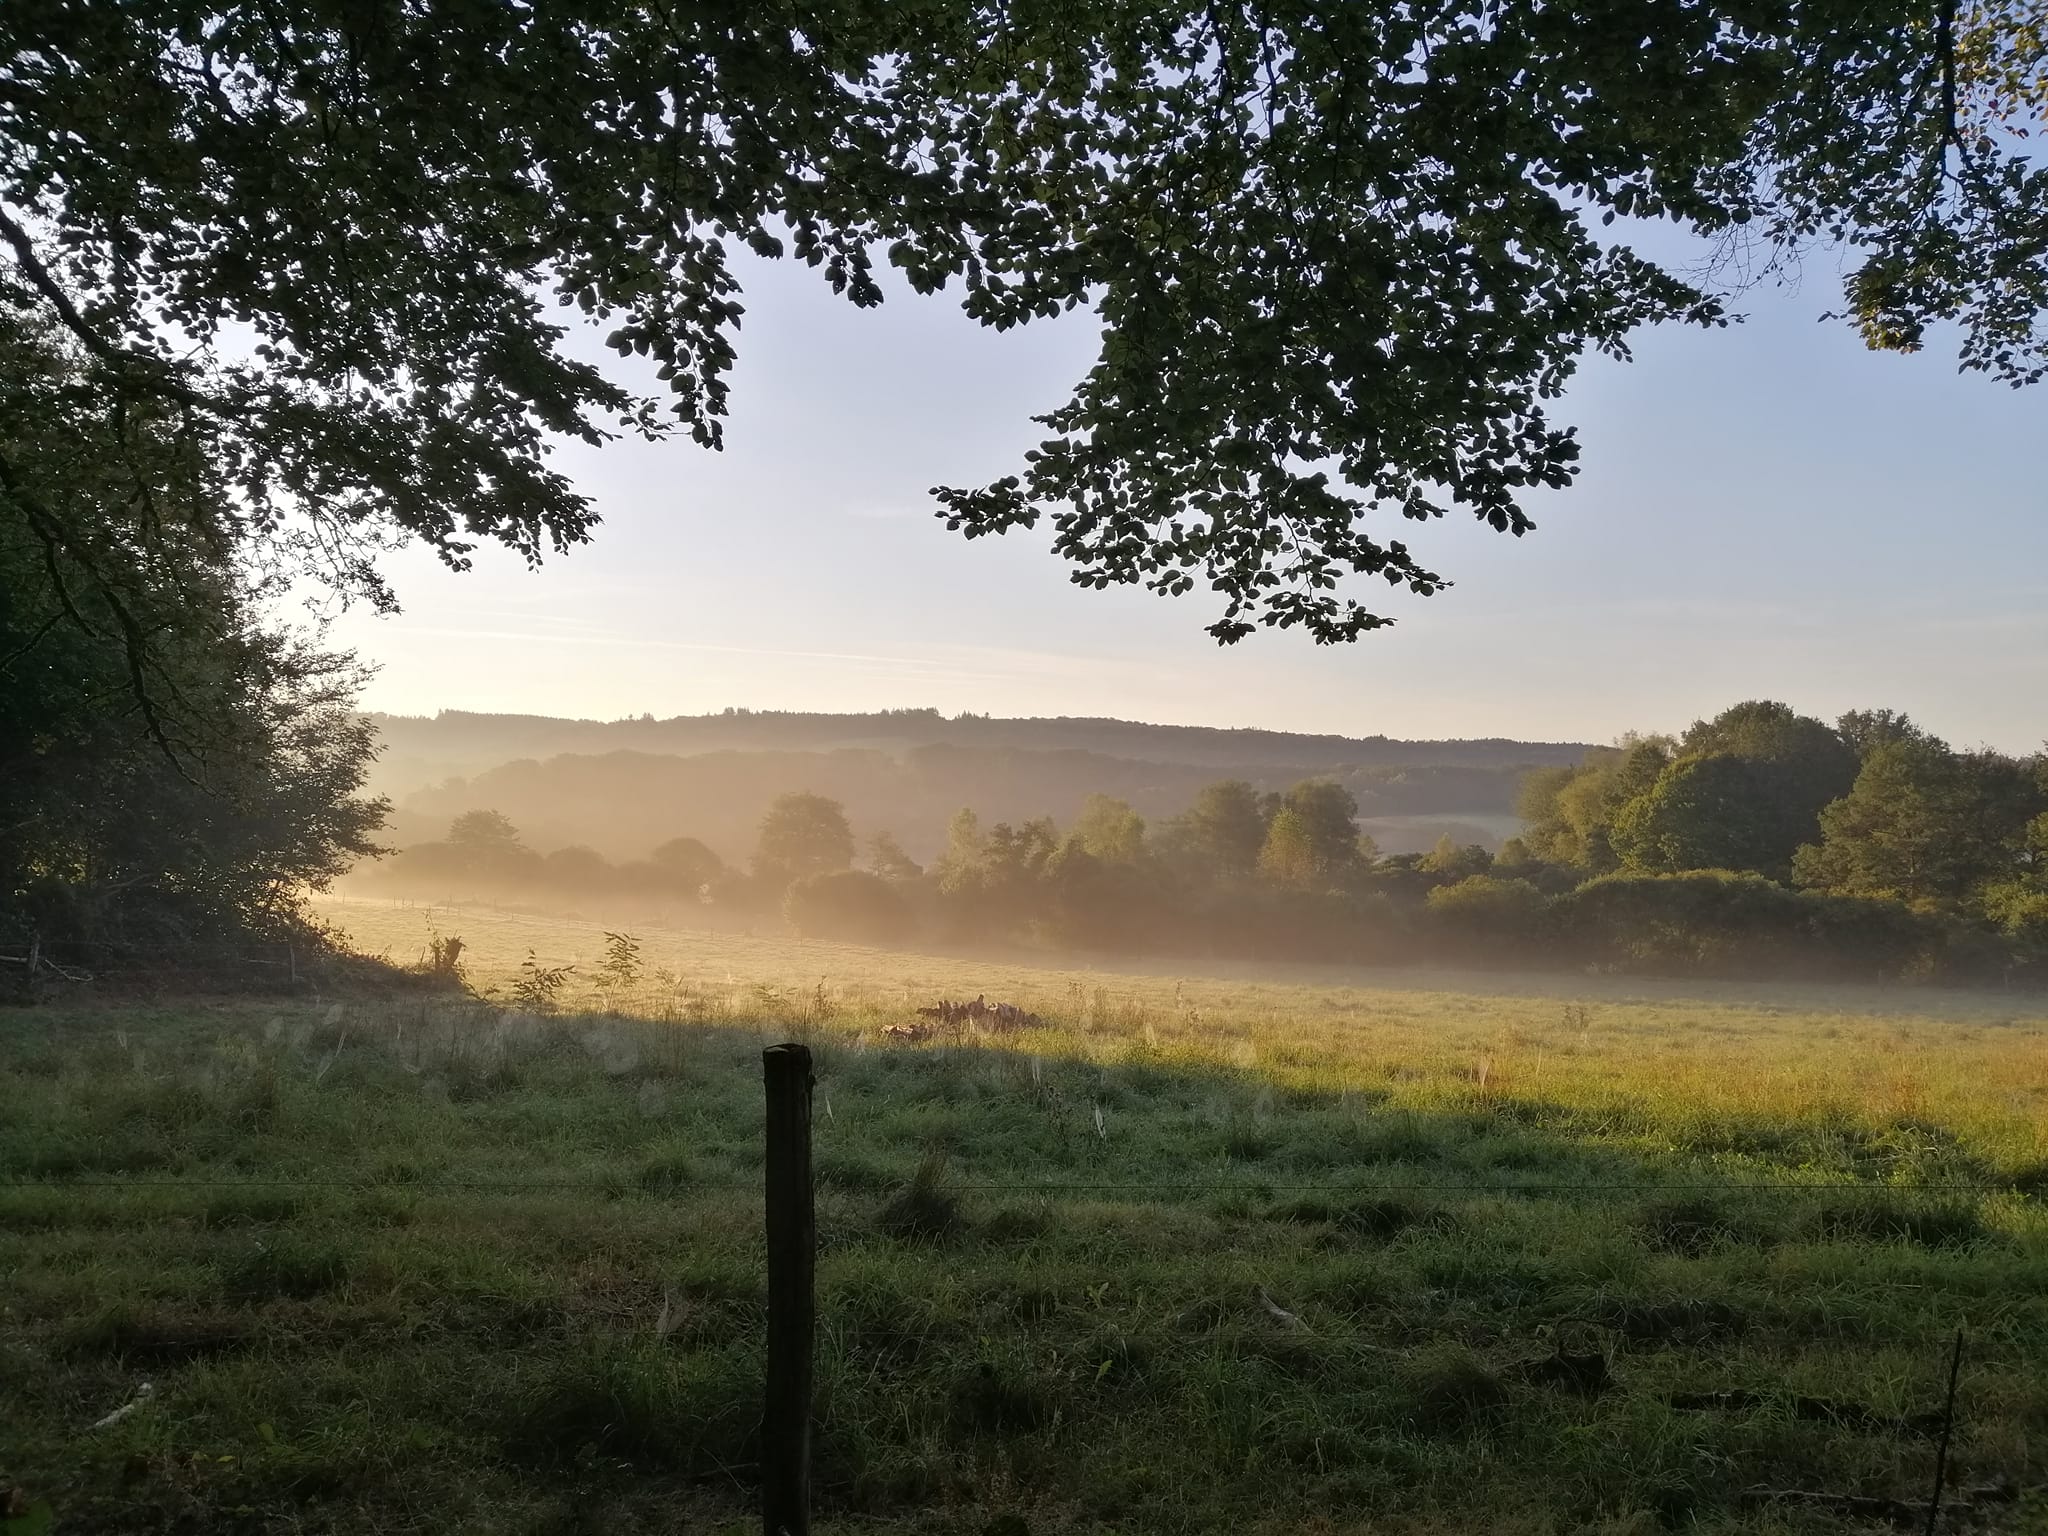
(1717,922)
(1284,924)
(1488,911)
(849,905)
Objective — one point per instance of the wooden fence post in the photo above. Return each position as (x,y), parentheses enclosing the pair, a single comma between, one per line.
(792,1262)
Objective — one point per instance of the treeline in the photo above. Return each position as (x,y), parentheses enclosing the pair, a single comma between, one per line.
(1760,842)
(621,803)
(1872,809)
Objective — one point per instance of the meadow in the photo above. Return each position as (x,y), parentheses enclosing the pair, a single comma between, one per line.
(1256,1249)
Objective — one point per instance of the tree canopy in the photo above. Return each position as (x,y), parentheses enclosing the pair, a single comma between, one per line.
(1343,256)
(1926,824)
(132,833)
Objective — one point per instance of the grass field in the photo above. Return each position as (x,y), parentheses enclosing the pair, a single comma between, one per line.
(1266,1251)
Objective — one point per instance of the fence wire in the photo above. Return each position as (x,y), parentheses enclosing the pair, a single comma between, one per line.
(1978,1188)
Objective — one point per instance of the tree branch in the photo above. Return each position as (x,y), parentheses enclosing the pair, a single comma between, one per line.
(1945,46)
(30,643)
(114,357)
(47,526)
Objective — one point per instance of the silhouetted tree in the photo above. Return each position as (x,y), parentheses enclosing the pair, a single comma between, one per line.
(801,834)
(1223,831)
(486,832)
(685,865)
(175,769)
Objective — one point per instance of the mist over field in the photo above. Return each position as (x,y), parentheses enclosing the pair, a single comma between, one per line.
(622,787)
(1761,842)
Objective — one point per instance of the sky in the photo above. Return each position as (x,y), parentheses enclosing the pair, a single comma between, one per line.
(1766,511)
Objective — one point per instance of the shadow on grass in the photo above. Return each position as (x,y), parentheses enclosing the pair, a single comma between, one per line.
(1151,1291)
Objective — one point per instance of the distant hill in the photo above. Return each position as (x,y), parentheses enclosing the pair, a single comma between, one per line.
(420,751)
(624,786)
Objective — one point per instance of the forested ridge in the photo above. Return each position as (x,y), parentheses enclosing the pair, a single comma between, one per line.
(425,750)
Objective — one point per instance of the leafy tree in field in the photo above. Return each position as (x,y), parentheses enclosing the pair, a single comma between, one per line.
(1547,834)
(1014,855)
(960,862)
(1110,830)
(1449,860)
(1327,816)
(481,845)
(887,859)
(1800,763)
(1763,729)
(1289,855)
(1741,791)
(1223,831)
(484,832)
(685,865)
(994,880)
(1515,854)
(2018,904)
(1570,811)
(1706,812)
(1924,824)
(801,834)
(1342,256)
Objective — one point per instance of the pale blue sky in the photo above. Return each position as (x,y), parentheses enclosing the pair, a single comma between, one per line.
(1767,510)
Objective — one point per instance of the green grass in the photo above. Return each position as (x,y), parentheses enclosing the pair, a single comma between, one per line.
(1263,1252)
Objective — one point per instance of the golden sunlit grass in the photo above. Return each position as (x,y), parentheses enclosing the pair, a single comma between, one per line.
(1971,1061)
(1259,1249)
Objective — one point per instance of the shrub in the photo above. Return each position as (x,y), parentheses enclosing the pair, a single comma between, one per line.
(849,905)
(539,985)
(1719,922)
(442,962)
(619,972)
(1489,911)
